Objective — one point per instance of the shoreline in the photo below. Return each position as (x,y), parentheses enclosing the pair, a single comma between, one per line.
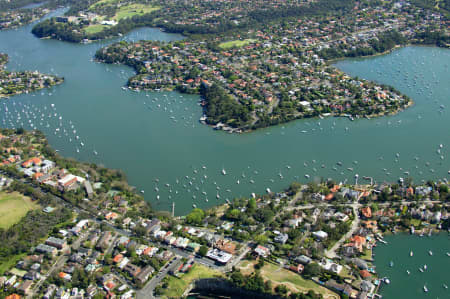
(247,129)
(26,80)
(239,130)
(395,48)
(9,96)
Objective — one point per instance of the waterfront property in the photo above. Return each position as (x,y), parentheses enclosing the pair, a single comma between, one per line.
(81,95)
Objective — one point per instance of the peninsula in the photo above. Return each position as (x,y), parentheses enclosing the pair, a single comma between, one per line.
(13,83)
(260,63)
(264,83)
(14,14)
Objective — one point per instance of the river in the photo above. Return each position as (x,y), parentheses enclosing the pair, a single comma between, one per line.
(411,286)
(156,135)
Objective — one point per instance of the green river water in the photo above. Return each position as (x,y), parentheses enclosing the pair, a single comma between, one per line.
(402,285)
(156,135)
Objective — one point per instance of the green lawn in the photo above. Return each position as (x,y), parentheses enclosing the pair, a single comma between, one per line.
(134,10)
(345,273)
(18,272)
(123,12)
(415,222)
(13,206)
(236,43)
(6,265)
(101,2)
(177,286)
(293,281)
(367,255)
(94,28)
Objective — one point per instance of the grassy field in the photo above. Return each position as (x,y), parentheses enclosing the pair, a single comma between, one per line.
(236,43)
(13,206)
(122,12)
(94,28)
(5,266)
(345,273)
(415,222)
(291,280)
(102,2)
(246,267)
(178,285)
(367,255)
(134,10)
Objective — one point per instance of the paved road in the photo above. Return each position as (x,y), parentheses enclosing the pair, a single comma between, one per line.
(57,265)
(147,291)
(201,260)
(245,249)
(331,253)
(59,262)
(112,244)
(82,238)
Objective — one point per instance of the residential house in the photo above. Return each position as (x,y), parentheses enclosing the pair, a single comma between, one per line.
(226,245)
(281,238)
(56,242)
(103,242)
(46,249)
(88,188)
(25,286)
(31,275)
(132,269)
(303,259)
(144,274)
(297,268)
(262,251)
(321,235)
(219,256)
(366,212)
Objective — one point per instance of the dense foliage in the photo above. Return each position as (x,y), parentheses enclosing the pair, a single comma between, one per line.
(18,4)
(196,216)
(255,283)
(322,7)
(384,42)
(220,107)
(29,231)
(75,33)
(4,4)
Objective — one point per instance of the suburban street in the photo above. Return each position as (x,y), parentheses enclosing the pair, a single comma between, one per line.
(60,262)
(331,253)
(57,265)
(147,291)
